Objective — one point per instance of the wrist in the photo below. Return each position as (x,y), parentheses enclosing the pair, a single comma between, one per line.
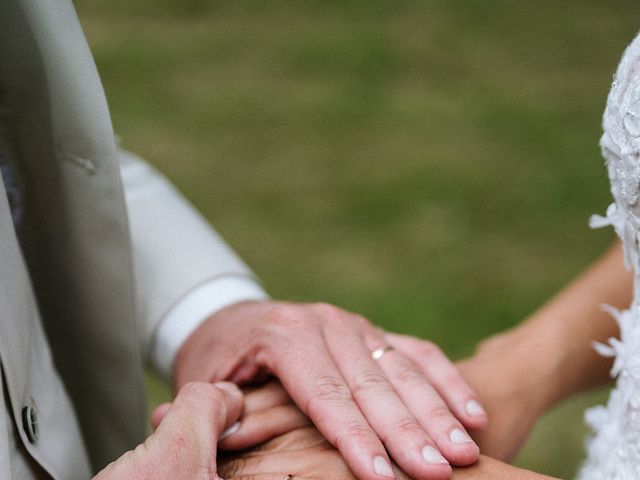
(549,356)
(524,367)
(491,469)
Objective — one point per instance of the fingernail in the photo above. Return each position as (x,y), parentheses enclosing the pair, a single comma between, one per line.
(474,408)
(382,467)
(230,431)
(431,455)
(459,436)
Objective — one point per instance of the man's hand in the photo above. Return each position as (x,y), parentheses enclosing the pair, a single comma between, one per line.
(184,443)
(406,402)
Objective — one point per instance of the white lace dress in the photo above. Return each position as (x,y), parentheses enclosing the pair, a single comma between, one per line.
(614,449)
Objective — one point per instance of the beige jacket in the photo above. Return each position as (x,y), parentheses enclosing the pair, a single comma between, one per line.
(78,314)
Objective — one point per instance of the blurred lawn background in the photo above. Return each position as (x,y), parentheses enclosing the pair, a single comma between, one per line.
(430,164)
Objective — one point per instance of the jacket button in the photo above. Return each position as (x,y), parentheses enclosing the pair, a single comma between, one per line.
(30,422)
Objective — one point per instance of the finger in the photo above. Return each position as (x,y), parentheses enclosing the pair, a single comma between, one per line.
(264,425)
(304,454)
(429,409)
(234,403)
(210,409)
(408,443)
(196,417)
(158,414)
(445,378)
(265,397)
(321,392)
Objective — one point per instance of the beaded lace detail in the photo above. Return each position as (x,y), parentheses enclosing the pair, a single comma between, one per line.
(614,447)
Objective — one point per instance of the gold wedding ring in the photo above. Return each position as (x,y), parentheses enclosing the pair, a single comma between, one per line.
(378,353)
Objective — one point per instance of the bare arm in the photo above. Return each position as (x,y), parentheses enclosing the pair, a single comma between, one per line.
(520,373)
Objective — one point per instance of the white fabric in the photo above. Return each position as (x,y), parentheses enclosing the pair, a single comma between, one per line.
(175,250)
(189,313)
(614,448)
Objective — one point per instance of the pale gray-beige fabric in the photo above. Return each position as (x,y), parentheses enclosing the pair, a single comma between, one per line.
(70,345)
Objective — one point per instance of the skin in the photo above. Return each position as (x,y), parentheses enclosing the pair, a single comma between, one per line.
(183,445)
(518,375)
(306,454)
(411,399)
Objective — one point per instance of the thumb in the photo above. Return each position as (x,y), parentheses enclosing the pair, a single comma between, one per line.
(222,402)
(196,418)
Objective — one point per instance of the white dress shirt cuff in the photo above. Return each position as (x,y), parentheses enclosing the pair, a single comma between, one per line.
(192,310)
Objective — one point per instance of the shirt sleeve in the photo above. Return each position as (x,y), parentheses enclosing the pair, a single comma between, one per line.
(189,313)
(184,271)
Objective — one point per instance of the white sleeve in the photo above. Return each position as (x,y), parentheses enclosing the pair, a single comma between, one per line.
(193,309)
(184,271)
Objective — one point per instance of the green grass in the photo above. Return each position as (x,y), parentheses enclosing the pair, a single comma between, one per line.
(430,164)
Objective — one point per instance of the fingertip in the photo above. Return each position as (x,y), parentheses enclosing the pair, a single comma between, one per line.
(475,416)
(460,449)
(435,465)
(158,414)
(230,431)
(475,423)
(473,408)
(464,455)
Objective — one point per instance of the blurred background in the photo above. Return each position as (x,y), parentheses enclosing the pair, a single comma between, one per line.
(430,164)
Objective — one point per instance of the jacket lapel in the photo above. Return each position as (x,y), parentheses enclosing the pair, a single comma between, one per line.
(76,232)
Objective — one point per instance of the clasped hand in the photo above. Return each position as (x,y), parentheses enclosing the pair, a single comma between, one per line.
(411,402)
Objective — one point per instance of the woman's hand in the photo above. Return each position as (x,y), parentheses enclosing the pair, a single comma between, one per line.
(411,401)
(304,454)
(513,394)
(184,443)
(296,448)
(290,444)
(487,468)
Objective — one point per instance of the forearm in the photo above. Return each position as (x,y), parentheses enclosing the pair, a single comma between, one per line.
(554,348)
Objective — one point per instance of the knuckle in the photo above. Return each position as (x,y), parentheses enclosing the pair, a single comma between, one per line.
(207,394)
(439,413)
(329,389)
(326,310)
(408,374)
(332,315)
(368,381)
(355,433)
(333,388)
(285,316)
(197,389)
(405,426)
